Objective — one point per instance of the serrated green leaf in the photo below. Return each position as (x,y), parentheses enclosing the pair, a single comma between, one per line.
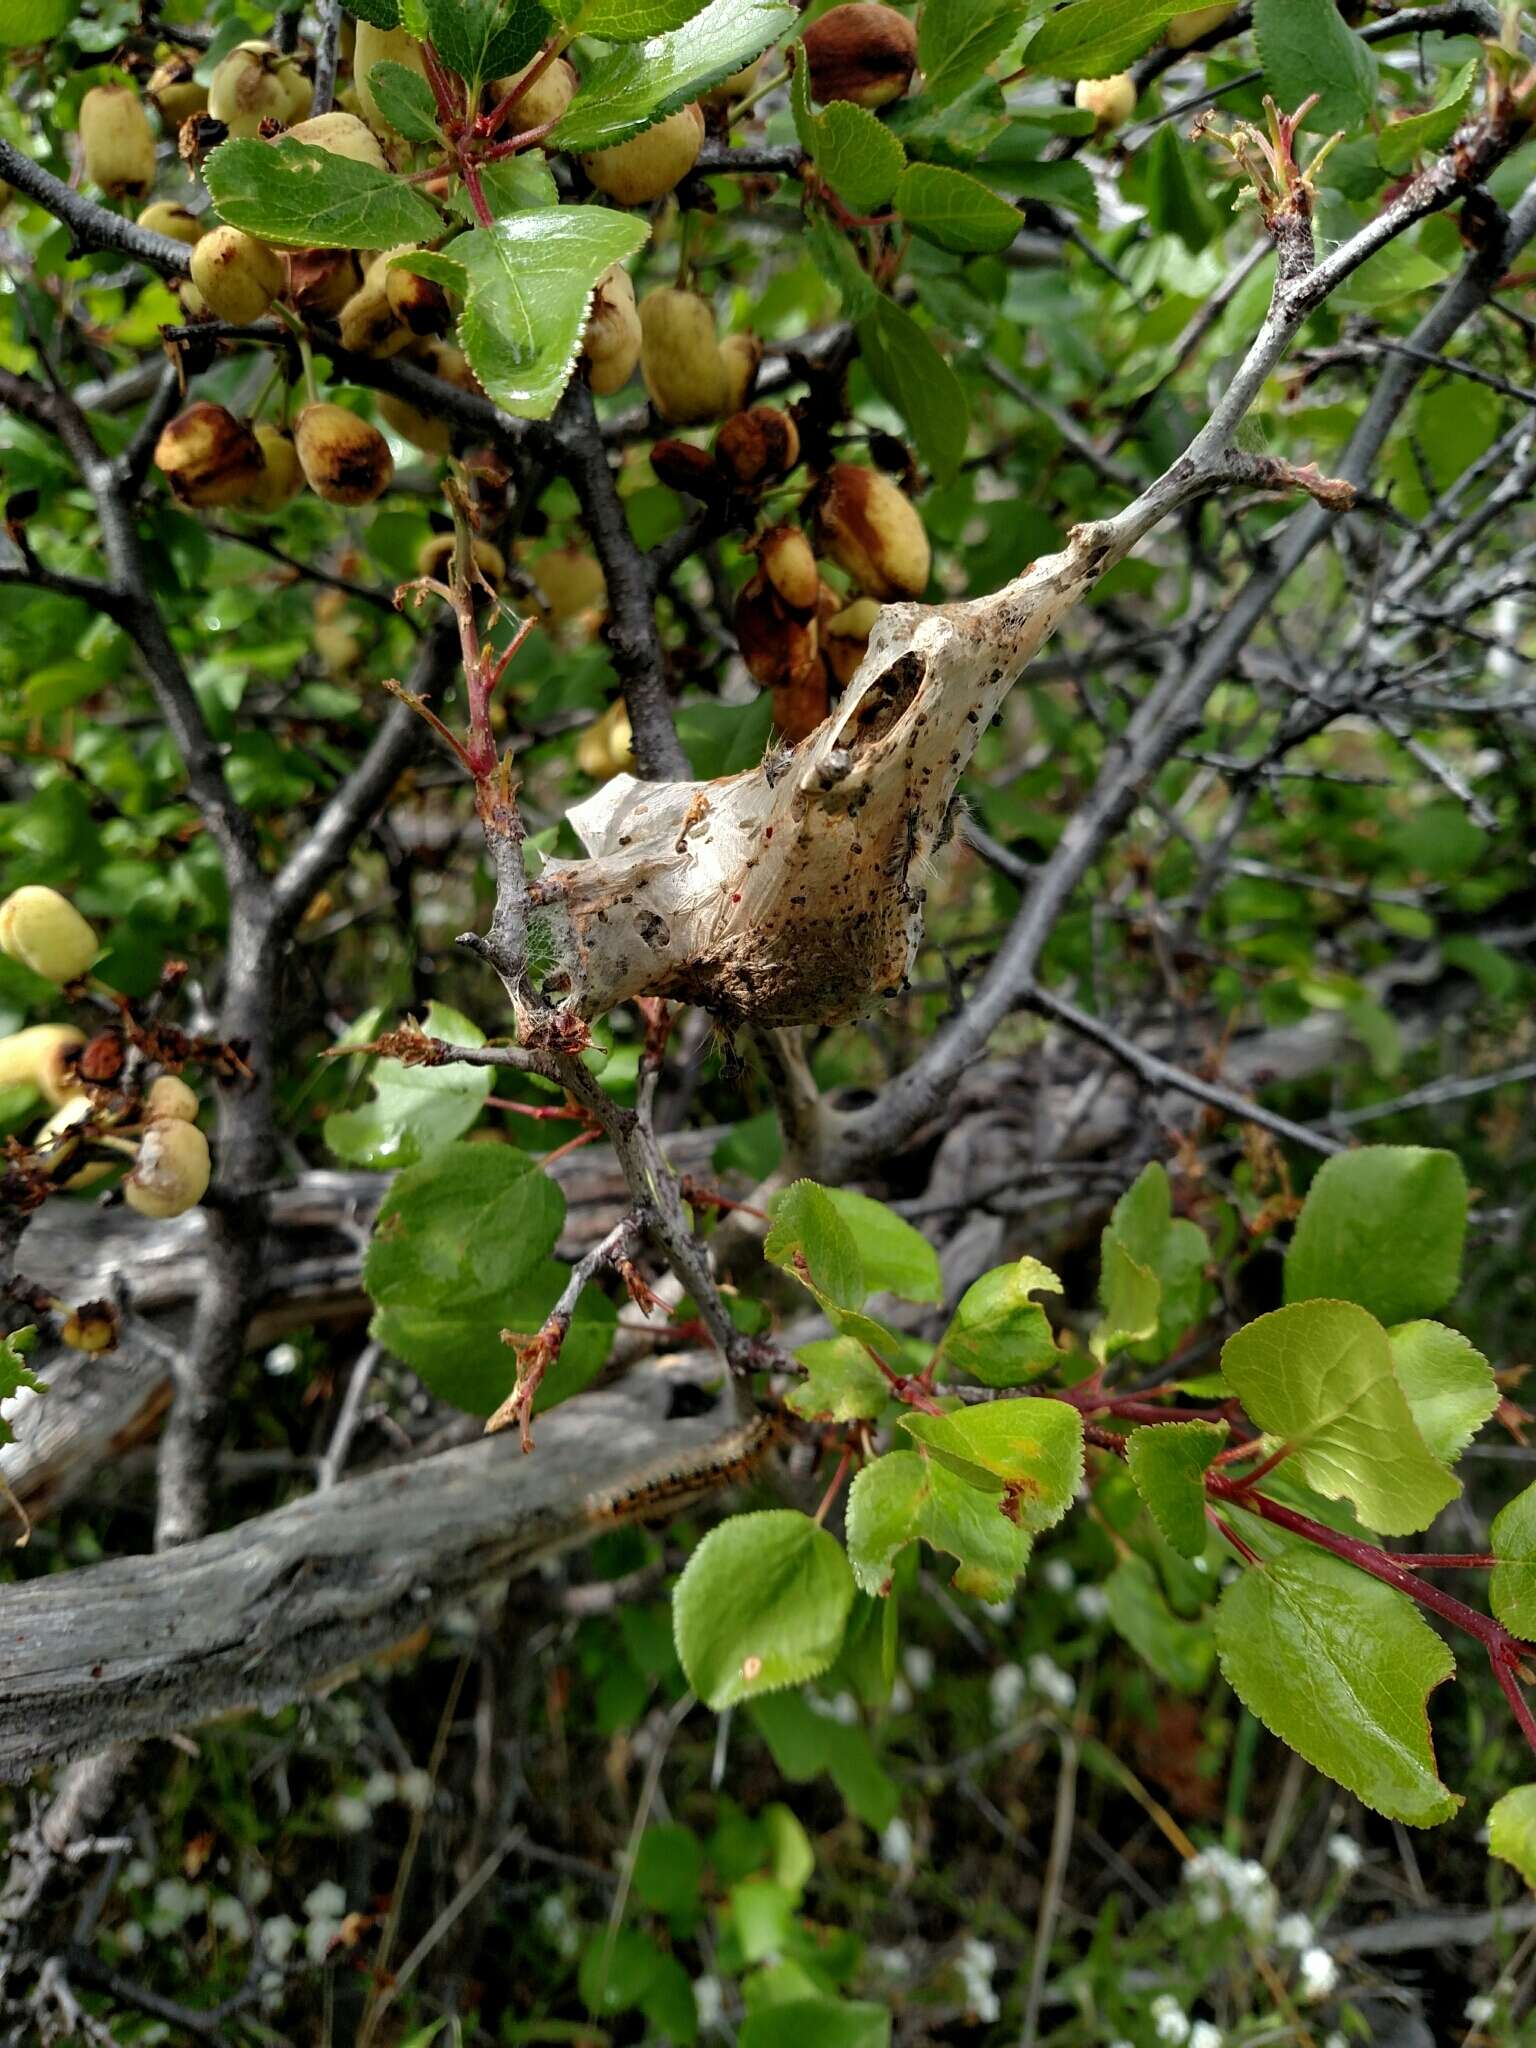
(952,134)
(15,1374)
(1512,1583)
(1319,1376)
(1512,1831)
(631,21)
(1130,1295)
(1340,1667)
(1176,197)
(405,100)
(1401,141)
(1450,1385)
(809,1237)
(761,1604)
(1181,1652)
(1172,1249)
(298,197)
(414,1110)
(859,158)
(842,1383)
(1383,1226)
(1032,1447)
(998,1334)
(954,210)
(630,88)
(911,373)
(1168,1462)
(1092,38)
(528,283)
(381,13)
(958,39)
(904,1497)
(1305,47)
(27,22)
(483,39)
(832,253)
(896,1258)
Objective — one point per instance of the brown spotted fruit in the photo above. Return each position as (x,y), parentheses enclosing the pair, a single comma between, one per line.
(864,52)
(870,528)
(757,446)
(238,276)
(208,457)
(344,459)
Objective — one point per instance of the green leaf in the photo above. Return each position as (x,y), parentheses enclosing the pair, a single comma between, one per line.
(1168,1462)
(1130,1295)
(1340,1667)
(414,1109)
(1401,141)
(998,1335)
(955,211)
(1176,198)
(668,1869)
(911,373)
(1306,48)
(958,39)
(528,283)
(859,158)
(817,2023)
(1035,1447)
(903,1497)
(804,1744)
(1384,1227)
(1512,1582)
(405,100)
(33,21)
(630,88)
(16,1374)
(631,21)
(832,253)
(1512,1830)
(761,1604)
(1181,1652)
(382,13)
(810,1238)
(1092,38)
(481,39)
(1450,1386)
(1319,1376)
(1172,1249)
(460,1252)
(843,1383)
(299,197)
(897,1259)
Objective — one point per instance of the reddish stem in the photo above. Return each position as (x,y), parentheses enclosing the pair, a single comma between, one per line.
(489,123)
(832,1491)
(1276,1457)
(526,140)
(442,88)
(542,1113)
(1225,1528)
(470,172)
(1450,1561)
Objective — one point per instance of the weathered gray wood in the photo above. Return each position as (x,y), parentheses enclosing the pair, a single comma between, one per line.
(277,1606)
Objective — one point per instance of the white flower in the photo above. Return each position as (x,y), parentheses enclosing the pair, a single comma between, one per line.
(351,1813)
(1005,1692)
(380,1788)
(557,1926)
(318,1936)
(1203,2035)
(414,1788)
(277,1938)
(918,1665)
(1317,1974)
(175,1903)
(14,1404)
(139,1872)
(709,2001)
(1296,1932)
(130,1937)
(901,1696)
(257,1883)
(1335,2040)
(896,1844)
(976,1962)
(891,1962)
(1058,1575)
(326,1902)
(1346,1852)
(1223,1883)
(1092,1602)
(231,1917)
(1048,1679)
(281,1360)
(1480,2008)
(1169,2020)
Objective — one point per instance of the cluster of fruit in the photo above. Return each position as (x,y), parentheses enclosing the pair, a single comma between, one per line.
(43,931)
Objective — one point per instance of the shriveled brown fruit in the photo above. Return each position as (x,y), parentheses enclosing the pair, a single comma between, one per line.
(435,557)
(680,360)
(452,365)
(208,457)
(416,302)
(682,467)
(166,217)
(174,89)
(611,342)
(540,103)
(864,52)
(776,645)
(871,529)
(115,138)
(344,459)
(741,355)
(381,46)
(281,478)
(801,704)
(341,135)
(790,566)
(845,637)
(758,446)
(238,276)
(320,281)
(648,166)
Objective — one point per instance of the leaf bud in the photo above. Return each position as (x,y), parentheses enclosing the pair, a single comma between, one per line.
(344,459)
(44,931)
(172,1171)
(864,52)
(118,146)
(208,457)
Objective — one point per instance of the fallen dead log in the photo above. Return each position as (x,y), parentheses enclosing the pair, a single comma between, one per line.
(288,1602)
